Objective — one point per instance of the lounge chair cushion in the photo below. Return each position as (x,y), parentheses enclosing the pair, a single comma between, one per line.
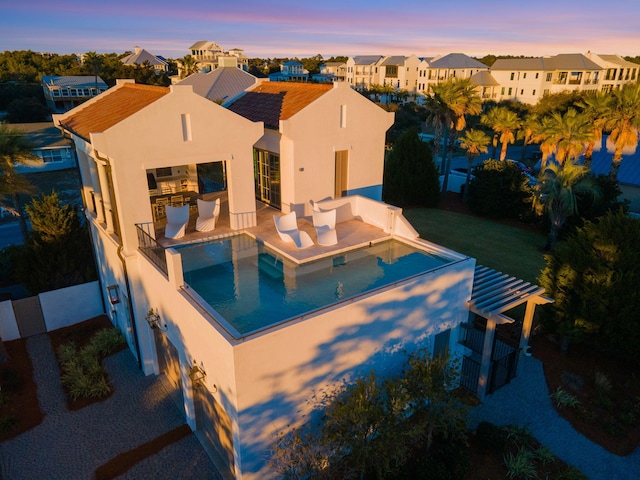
(287,228)
(177,219)
(325,225)
(208,212)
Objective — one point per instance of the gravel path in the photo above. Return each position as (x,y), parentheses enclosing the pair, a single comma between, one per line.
(525,402)
(71,445)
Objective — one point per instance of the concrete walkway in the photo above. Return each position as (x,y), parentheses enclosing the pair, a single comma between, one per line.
(71,445)
(525,402)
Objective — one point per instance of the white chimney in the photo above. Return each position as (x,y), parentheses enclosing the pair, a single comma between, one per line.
(137,50)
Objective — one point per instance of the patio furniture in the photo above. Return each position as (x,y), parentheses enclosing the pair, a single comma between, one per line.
(177,219)
(159,208)
(287,228)
(325,224)
(176,200)
(208,212)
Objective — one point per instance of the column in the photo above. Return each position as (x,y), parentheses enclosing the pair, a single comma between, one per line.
(487,351)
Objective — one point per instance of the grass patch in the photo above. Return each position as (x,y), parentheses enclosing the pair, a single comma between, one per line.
(508,249)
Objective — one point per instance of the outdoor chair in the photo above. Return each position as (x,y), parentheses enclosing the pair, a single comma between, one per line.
(177,219)
(208,212)
(287,228)
(176,200)
(325,224)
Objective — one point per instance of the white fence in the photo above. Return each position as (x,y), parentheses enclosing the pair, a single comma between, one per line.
(60,308)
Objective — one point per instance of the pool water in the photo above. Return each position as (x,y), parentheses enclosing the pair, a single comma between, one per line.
(253,288)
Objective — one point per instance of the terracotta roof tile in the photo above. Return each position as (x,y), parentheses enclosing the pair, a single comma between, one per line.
(270,102)
(112,107)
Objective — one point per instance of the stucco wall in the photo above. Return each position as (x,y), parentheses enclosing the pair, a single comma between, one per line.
(312,150)
(278,372)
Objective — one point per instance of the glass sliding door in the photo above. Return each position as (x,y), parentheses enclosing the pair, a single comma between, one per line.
(266,172)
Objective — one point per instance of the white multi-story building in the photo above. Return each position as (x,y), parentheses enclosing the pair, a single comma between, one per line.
(528,79)
(209,56)
(616,71)
(245,325)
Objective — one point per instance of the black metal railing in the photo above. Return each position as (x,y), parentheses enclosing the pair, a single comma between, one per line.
(150,247)
(471,337)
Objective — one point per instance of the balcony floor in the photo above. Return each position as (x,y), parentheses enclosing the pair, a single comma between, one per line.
(350,234)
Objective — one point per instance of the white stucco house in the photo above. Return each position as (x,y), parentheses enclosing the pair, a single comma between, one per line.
(244,325)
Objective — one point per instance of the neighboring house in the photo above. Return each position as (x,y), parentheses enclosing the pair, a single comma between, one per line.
(140,56)
(245,326)
(220,85)
(362,71)
(62,93)
(330,72)
(208,56)
(401,72)
(291,71)
(488,87)
(453,66)
(528,79)
(54,150)
(617,71)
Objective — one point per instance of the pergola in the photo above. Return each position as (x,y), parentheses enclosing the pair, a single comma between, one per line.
(493,294)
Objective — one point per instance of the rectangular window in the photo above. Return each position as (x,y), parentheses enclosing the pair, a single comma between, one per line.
(163,172)
(441,343)
(512,75)
(343,116)
(510,89)
(524,75)
(537,73)
(522,91)
(502,91)
(533,93)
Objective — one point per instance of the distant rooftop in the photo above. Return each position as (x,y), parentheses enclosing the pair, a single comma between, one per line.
(220,85)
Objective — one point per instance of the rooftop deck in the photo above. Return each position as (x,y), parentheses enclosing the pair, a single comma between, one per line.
(350,233)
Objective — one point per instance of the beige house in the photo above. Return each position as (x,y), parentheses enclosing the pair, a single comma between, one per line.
(209,56)
(528,79)
(140,56)
(244,325)
(617,71)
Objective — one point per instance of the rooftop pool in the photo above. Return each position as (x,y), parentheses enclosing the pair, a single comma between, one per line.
(251,287)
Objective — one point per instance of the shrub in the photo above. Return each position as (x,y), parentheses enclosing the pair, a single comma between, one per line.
(602,383)
(521,465)
(410,176)
(499,190)
(544,455)
(82,372)
(594,279)
(561,398)
(520,436)
(572,473)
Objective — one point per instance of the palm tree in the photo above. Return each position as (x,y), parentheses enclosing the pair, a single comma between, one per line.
(388,90)
(556,195)
(505,123)
(450,102)
(188,66)
(569,134)
(530,125)
(474,142)
(14,148)
(595,106)
(623,119)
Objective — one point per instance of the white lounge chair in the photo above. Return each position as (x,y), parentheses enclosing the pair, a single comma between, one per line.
(208,212)
(177,219)
(325,224)
(287,228)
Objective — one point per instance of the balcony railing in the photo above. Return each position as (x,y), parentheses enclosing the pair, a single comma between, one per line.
(150,247)
(471,337)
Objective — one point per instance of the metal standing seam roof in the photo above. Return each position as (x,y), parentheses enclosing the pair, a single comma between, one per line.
(223,83)
(457,60)
(495,293)
(563,61)
(111,108)
(394,60)
(270,102)
(141,57)
(366,59)
(63,81)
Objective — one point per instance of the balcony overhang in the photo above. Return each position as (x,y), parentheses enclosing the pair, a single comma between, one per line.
(495,293)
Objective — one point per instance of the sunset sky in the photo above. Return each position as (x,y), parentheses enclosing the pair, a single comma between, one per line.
(289,28)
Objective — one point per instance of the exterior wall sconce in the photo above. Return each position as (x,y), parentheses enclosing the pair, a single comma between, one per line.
(153,319)
(198,378)
(114,295)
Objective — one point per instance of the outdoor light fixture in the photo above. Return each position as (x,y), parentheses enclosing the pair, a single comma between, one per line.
(153,319)
(114,296)
(198,377)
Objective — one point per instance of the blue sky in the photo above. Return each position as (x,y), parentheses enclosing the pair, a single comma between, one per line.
(279,28)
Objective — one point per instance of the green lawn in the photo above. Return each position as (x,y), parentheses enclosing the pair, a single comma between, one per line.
(510,250)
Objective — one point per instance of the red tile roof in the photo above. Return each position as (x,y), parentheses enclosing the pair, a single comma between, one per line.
(270,102)
(112,107)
